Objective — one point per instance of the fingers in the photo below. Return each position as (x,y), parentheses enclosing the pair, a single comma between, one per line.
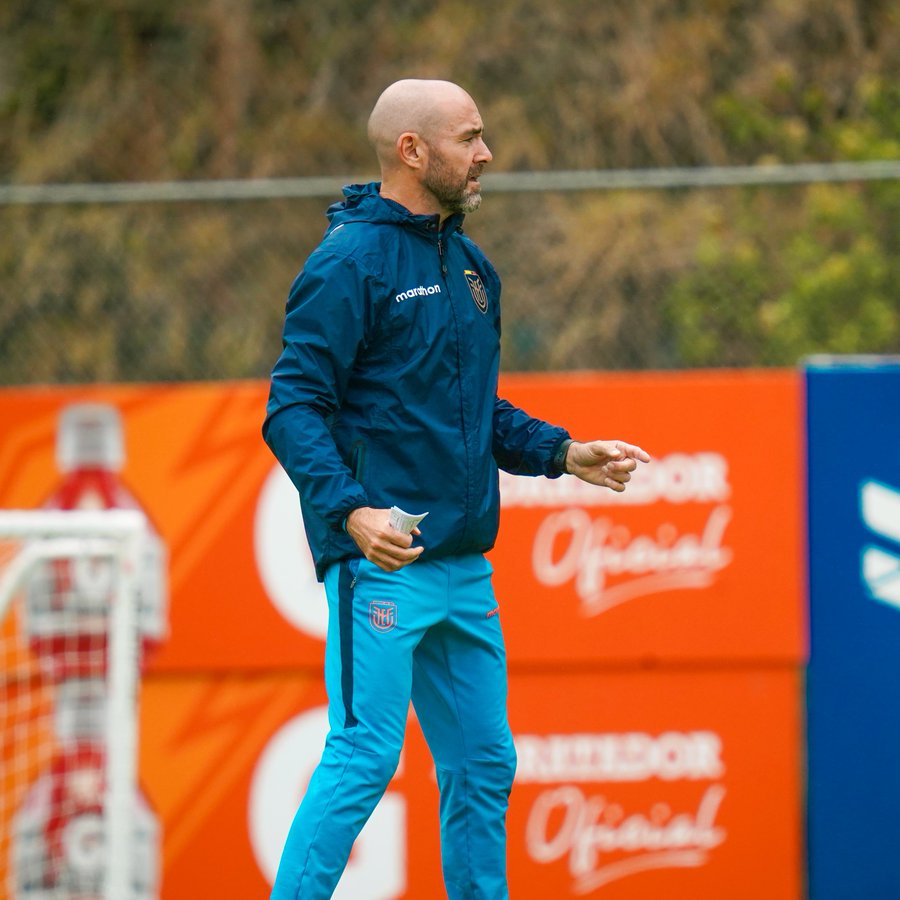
(633,451)
(618,471)
(607,464)
(617,480)
(381,544)
(602,452)
(602,476)
(613,475)
(390,549)
(391,561)
(624,466)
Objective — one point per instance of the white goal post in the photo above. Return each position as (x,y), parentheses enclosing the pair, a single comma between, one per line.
(36,541)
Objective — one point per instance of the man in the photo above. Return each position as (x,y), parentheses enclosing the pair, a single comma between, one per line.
(385,394)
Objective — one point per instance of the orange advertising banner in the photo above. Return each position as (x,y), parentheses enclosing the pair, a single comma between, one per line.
(680,784)
(700,559)
(683,784)
(655,640)
(196,463)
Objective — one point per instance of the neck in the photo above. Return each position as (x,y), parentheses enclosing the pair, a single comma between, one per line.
(414,198)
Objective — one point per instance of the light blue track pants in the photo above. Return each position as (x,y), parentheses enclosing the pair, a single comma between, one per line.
(431,633)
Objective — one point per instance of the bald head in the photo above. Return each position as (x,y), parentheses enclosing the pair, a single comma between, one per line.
(413,105)
(429,139)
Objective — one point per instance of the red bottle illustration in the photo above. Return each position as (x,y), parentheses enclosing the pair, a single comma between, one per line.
(59,844)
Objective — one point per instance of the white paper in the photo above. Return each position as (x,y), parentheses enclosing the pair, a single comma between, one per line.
(404,521)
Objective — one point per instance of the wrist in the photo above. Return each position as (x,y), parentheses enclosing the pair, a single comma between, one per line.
(345,523)
(560,457)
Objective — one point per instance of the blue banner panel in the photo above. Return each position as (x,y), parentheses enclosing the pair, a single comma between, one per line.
(853,688)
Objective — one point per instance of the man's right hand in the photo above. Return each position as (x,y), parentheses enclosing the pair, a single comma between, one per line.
(381,544)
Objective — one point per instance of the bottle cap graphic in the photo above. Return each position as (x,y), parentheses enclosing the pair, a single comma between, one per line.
(90,435)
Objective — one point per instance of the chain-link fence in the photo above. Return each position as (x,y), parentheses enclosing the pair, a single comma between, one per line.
(94,92)
(621,279)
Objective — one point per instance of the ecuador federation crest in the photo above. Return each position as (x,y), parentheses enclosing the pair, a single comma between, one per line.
(383,615)
(476,286)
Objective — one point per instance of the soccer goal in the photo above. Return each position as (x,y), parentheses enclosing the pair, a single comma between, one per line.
(72,819)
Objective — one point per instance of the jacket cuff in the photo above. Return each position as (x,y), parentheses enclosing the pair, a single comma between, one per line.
(345,514)
(558,462)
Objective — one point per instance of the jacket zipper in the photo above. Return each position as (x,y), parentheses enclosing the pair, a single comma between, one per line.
(459,369)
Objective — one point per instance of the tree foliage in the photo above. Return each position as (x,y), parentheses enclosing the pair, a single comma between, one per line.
(113,90)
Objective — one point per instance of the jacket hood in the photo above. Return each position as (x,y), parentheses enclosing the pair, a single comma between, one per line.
(363,203)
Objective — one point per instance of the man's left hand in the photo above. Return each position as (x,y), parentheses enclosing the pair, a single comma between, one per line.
(605,463)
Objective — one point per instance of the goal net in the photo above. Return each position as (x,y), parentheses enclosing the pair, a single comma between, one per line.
(79,592)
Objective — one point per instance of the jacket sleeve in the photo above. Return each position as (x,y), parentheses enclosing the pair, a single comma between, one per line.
(524,445)
(327,319)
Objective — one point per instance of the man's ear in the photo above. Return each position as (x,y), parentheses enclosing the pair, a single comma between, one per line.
(411,150)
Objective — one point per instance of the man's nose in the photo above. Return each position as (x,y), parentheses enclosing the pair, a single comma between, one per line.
(484,153)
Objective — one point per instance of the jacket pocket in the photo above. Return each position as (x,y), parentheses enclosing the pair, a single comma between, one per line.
(358,460)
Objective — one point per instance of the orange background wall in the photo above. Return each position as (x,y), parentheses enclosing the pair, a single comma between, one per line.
(656,642)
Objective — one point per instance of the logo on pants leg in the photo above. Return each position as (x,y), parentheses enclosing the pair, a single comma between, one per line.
(383,615)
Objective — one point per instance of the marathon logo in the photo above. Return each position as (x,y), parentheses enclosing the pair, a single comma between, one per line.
(420,291)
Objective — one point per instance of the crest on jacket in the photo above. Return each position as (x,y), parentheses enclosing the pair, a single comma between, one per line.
(476,286)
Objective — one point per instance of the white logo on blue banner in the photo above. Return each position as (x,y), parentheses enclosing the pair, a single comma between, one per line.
(880,508)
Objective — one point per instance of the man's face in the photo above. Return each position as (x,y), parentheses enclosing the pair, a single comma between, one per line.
(457,156)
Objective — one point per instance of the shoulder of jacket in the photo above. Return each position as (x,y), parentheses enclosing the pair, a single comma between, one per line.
(479,256)
(355,242)
(362,237)
(472,247)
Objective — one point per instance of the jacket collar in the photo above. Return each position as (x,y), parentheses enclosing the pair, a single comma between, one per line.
(363,203)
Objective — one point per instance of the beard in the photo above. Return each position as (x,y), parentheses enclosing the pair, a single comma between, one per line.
(452,192)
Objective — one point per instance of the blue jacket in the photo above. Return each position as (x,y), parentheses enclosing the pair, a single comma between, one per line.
(386,390)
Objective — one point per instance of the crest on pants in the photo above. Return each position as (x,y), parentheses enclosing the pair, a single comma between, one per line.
(383,615)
